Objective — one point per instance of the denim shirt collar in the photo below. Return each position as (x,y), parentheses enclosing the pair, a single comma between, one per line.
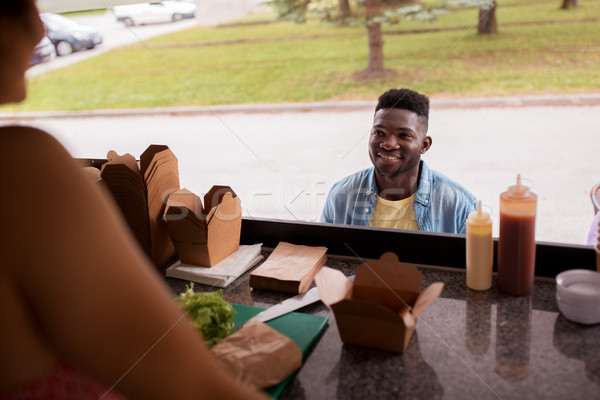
(371,184)
(423,193)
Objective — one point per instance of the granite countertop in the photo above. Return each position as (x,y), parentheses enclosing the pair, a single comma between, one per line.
(467,345)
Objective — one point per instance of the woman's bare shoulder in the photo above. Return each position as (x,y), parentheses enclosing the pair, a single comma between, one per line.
(21,138)
(7,131)
(26,144)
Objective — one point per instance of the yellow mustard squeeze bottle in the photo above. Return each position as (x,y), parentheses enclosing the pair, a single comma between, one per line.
(480,250)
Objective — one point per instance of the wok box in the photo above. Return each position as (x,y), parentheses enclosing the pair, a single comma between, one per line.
(381,308)
(204,235)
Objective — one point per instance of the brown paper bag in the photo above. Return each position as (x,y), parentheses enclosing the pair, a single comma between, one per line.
(258,355)
(290,268)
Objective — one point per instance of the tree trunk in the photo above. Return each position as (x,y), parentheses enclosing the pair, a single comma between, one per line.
(375,68)
(375,47)
(568,4)
(345,11)
(487,21)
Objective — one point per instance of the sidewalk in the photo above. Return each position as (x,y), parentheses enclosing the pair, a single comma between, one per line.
(582,99)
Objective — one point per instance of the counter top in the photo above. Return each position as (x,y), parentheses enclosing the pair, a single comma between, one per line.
(467,344)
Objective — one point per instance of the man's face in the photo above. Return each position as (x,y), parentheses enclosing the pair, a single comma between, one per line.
(397,140)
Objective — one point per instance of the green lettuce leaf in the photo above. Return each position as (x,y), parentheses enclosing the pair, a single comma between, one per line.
(210,314)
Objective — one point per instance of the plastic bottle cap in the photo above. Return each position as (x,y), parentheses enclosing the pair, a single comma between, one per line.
(519,190)
(479,216)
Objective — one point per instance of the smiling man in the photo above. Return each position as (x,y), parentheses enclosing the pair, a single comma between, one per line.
(400,191)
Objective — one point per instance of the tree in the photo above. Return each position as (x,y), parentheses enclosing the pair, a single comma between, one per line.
(345,11)
(487,19)
(568,4)
(375,68)
(372,20)
(296,10)
(291,9)
(486,23)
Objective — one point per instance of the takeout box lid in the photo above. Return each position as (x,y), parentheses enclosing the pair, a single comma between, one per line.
(381,308)
(149,154)
(204,235)
(183,204)
(184,208)
(215,196)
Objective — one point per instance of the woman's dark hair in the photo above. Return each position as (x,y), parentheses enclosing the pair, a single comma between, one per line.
(16,11)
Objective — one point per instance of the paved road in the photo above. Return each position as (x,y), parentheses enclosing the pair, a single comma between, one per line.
(282,164)
(115,34)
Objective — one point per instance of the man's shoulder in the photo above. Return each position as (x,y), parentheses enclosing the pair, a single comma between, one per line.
(356,179)
(344,196)
(446,184)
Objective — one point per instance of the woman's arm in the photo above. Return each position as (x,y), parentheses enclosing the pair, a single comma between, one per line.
(92,290)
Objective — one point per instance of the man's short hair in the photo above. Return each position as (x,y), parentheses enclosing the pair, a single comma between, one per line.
(405,99)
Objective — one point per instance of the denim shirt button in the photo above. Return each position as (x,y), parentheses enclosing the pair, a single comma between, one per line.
(426,201)
(366,210)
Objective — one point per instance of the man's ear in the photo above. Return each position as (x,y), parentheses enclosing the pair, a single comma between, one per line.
(426,144)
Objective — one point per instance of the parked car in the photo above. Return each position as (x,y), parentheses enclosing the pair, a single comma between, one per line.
(44,51)
(68,35)
(150,13)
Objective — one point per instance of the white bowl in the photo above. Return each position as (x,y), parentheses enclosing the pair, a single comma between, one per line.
(578,295)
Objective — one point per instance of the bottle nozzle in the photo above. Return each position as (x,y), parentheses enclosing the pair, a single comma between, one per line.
(480,215)
(518,190)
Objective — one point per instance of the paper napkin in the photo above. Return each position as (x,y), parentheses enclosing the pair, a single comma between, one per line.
(221,274)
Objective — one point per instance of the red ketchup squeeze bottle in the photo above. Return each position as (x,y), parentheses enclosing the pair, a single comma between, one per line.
(516,242)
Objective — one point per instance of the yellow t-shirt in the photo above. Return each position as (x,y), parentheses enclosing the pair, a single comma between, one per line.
(398,214)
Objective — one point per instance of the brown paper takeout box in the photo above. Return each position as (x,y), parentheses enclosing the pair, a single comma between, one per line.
(380,309)
(140,194)
(204,235)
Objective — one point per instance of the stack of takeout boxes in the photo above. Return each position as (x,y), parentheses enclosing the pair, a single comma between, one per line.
(140,192)
(204,235)
(380,309)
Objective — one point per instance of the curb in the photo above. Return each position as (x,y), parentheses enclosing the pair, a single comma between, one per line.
(582,99)
(586,99)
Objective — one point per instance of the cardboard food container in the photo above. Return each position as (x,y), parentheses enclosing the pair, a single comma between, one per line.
(140,193)
(381,308)
(204,235)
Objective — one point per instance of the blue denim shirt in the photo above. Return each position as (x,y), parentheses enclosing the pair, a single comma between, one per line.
(441,205)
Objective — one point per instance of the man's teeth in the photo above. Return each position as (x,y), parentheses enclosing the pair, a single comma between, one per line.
(388,157)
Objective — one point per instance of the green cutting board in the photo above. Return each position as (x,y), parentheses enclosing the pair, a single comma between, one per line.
(303,329)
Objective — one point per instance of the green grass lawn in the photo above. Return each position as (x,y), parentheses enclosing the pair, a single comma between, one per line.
(286,62)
